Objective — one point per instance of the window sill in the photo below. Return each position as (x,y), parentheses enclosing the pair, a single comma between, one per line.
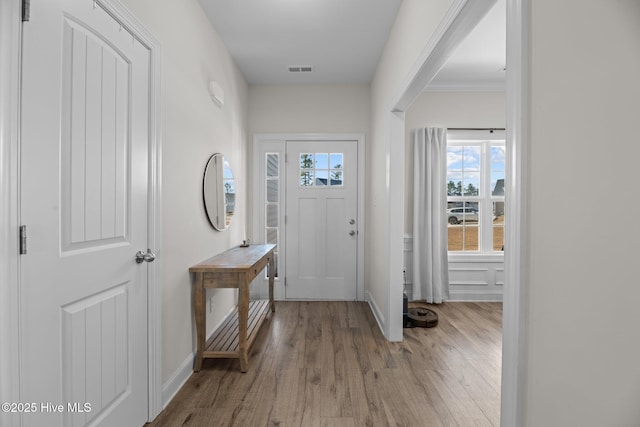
(476,257)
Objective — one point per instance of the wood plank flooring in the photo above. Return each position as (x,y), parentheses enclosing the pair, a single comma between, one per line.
(327,364)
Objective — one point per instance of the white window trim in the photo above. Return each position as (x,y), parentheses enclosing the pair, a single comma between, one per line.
(280,203)
(484,140)
(262,147)
(314,169)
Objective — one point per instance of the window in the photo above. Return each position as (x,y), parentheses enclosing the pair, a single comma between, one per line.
(475,192)
(321,169)
(272,204)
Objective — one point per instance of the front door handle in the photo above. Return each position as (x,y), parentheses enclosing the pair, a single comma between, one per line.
(148,256)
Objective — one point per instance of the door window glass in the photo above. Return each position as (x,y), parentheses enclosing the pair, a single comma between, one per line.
(321,169)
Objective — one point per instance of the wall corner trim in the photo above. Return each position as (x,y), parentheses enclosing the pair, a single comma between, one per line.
(10,42)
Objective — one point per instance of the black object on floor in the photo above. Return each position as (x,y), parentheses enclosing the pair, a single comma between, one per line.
(406,323)
(423,317)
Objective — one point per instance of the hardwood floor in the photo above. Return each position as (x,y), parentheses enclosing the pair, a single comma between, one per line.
(327,364)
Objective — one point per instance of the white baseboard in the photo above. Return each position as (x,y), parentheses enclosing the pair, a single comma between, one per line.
(480,295)
(377,313)
(179,378)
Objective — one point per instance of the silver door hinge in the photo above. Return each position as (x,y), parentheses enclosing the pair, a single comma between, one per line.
(26,10)
(23,240)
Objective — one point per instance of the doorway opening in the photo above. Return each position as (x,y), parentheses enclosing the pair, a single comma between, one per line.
(460,20)
(308,201)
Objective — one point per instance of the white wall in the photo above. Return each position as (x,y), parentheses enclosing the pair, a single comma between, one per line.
(193,128)
(309,109)
(583,291)
(415,23)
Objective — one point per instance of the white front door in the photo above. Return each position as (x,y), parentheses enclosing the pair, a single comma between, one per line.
(84,184)
(321,220)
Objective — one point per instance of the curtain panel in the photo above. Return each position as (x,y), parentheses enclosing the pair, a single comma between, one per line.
(430,256)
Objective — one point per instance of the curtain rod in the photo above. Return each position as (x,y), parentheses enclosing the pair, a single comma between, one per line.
(489,129)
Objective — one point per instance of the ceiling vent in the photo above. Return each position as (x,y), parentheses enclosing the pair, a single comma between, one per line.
(301,69)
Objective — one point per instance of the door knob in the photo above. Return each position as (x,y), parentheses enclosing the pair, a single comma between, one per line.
(353,221)
(148,256)
(352,233)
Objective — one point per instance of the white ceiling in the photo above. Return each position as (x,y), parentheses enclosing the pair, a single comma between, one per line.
(479,61)
(343,40)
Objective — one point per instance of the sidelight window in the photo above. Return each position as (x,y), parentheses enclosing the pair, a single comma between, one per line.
(272,204)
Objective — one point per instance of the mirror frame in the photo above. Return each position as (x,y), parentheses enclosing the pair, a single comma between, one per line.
(215,196)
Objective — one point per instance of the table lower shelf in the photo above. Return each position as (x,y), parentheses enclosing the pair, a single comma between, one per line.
(224,341)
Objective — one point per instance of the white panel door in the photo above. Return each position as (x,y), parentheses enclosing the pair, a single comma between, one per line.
(321,220)
(84,178)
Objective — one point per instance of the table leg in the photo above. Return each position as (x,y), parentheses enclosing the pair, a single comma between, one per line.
(272,278)
(199,311)
(243,315)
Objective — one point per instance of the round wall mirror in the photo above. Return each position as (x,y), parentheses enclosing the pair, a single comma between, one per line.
(219,192)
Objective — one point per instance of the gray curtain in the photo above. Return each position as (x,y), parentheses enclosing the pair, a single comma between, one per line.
(430,262)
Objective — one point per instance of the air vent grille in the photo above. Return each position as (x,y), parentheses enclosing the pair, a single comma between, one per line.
(300,69)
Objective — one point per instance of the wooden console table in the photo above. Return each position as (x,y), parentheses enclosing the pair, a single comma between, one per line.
(234,268)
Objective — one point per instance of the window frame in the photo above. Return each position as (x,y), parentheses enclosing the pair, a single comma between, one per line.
(277,178)
(314,170)
(485,140)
